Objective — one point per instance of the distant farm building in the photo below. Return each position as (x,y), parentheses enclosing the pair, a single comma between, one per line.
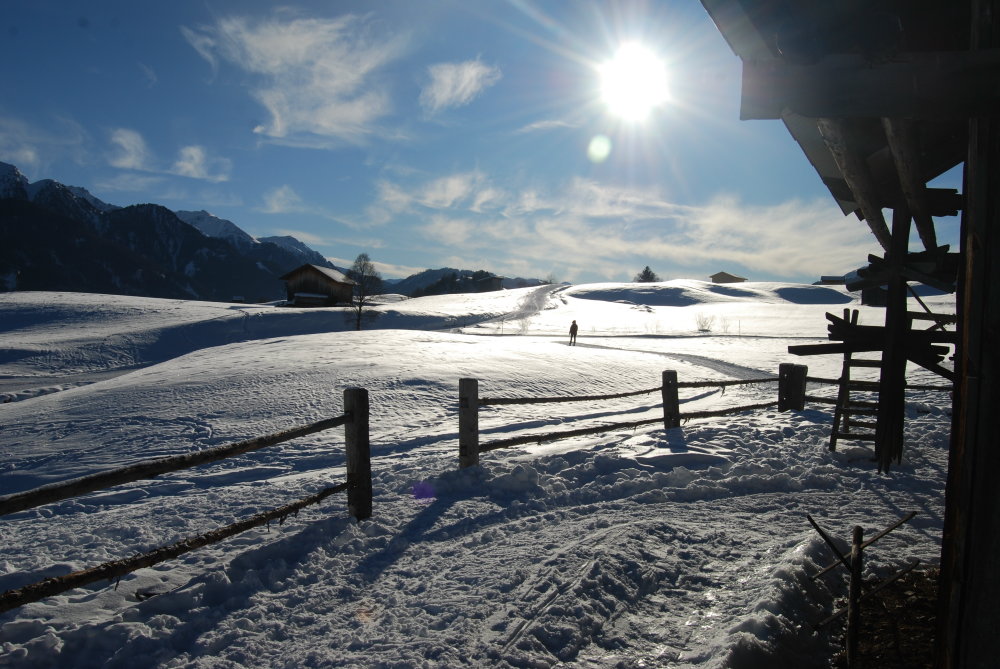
(314,286)
(726,277)
(489,284)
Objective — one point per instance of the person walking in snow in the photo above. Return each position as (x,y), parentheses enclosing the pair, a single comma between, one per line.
(572,333)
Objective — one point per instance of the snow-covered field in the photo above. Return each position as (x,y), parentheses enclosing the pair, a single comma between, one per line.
(631,548)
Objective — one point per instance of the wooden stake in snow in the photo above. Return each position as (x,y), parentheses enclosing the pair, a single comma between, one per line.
(468,423)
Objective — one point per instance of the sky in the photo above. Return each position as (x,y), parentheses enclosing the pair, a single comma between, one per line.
(633,547)
(493,135)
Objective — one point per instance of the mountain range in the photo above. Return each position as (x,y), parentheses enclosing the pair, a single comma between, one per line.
(62,238)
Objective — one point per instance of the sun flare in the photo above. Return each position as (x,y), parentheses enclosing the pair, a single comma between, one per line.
(633,82)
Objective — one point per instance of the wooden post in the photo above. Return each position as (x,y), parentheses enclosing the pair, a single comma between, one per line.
(671,402)
(970,582)
(359,465)
(792,386)
(892,383)
(468,423)
(854,597)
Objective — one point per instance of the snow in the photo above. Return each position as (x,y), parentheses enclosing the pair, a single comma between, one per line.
(631,548)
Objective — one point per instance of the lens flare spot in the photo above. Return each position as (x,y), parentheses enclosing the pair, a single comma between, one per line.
(599,149)
(423,491)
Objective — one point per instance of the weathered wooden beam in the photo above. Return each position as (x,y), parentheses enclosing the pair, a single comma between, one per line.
(55,492)
(468,422)
(854,169)
(927,85)
(970,582)
(902,137)
(892,382)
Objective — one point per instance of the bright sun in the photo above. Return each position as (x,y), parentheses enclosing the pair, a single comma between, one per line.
(634,82)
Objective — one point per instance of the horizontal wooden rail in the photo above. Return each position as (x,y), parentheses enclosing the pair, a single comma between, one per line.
(496,401)
(729,411)
(565,434)
(791,381)
(555,436)
(56,492)
(821,400)
(118,568)
(716,384)
(836,382)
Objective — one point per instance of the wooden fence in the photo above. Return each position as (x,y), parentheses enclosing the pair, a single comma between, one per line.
(791,381)
(358,486)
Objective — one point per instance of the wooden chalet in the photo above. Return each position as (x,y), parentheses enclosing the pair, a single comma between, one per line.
(315,286)
(883,97)
(489,284)
(726,277)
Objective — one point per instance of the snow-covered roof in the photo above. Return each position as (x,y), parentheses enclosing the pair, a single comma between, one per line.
(328,272)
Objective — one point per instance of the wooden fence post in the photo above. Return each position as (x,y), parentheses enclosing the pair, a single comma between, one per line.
(671,402)
(792,386)
(854,598)
(468,423)
(359,465)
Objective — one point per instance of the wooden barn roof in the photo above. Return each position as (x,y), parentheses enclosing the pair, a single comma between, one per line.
(877,94)
(328,272)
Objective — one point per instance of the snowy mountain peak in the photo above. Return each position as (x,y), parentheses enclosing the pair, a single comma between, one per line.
(302,251)
(95,202)
(13,184)
(211,225)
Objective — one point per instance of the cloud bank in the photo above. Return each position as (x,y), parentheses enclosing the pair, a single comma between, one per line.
(586,228)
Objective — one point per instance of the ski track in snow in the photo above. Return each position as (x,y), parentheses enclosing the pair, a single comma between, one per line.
(633,548)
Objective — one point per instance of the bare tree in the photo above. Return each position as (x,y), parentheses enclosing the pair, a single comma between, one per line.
(367,284)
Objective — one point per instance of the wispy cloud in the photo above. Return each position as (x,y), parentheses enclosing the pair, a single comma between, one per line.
(30,147)
(302,236)
(314,76)
(129,183)
(283,200)
(129,151)
(194,162)
(543,126)
(456,84)
(148,74)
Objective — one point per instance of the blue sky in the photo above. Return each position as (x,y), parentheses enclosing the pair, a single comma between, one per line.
(424,133)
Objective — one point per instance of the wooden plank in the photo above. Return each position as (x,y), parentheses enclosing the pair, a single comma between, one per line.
(889,433)
(671,402)
(468,422)
(358,445)
(925,85)
(902,137)
(856,437)
(152,468)
(854,169)
(12,599)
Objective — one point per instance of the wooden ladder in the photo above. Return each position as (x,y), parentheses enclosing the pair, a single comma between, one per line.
(855,419)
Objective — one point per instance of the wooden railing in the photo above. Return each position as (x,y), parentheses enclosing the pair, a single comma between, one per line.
(358,487)
(791,381)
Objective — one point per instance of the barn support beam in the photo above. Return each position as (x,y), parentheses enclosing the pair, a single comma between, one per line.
(892,383)
(902,137)
(855,171)
(970,584)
